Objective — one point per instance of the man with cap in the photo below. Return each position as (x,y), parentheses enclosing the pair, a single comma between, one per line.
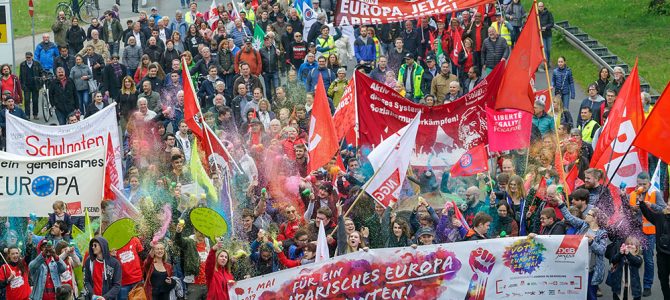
(29,70)
(541,120)
(10,107)
(155,15)
(270,63)
(45,271)
(503,27)
(318,10)
(364,48)
(249,55)
(410,75)
(429,72)
(307,67)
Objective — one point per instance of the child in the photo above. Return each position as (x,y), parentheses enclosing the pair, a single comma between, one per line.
(625,271)
(58,214)
(308,256)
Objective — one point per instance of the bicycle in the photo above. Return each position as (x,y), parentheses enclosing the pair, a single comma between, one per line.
(47,109)
(85,10)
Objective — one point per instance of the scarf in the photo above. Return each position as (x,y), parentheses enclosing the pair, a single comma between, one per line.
(117,70)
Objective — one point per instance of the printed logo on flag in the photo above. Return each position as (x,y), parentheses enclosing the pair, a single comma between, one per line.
(73,208)
(568,247)
(384,193)
(309,14)
(466,160)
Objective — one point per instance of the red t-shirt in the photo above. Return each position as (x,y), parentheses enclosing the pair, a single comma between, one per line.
(98,268)
(8,85)
(131,266)
(202,253)
(66,277)
(18,288)
(49,288)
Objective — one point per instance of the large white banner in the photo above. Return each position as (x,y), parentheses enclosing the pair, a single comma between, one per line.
(30,139)
(547,267)
(31,184)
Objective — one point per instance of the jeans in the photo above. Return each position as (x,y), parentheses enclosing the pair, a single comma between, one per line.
(113,48)
(547,48)
(84,99)
(387,47)
(271,82)
(32,96)
(125,289)
(648,254)
(593,289)
(62,117)
(184,3)
(663,265)
(565,100)
(516,31)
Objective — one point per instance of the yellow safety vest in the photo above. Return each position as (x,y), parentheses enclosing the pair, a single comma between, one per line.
(416,80)
(647,227)
(587,131)
(503,32)
(330,43)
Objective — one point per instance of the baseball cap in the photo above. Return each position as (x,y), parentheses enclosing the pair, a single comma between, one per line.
(29,53)
(430,58)
(248,40)
(425,231)
(154,9)
(312,44)
(409,55)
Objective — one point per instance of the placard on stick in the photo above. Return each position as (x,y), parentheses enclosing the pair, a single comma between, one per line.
(209,222)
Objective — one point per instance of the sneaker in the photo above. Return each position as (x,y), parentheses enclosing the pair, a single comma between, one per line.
(599,293)
(646,293)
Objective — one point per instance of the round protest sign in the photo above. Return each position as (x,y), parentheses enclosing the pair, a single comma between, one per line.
(119,233)
(209,222)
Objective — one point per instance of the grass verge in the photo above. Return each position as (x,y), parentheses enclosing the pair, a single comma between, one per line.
(626,28)
(45,14)
(584,70)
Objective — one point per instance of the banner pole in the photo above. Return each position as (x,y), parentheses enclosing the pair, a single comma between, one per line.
(365,186)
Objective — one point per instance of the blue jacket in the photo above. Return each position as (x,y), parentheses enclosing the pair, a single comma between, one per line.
(18,112)
(365,50)
(304,70)
(46,54)
(544,123)
(563,83)
(38,273)
(597,247)
(313,78)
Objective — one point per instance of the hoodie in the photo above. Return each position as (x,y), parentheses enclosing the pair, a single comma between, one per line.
(111,274)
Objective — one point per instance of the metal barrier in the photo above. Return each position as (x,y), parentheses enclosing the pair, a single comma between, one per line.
(599,54)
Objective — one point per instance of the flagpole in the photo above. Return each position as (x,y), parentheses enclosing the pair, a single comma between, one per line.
(365,186)
(551,98)
(356,125)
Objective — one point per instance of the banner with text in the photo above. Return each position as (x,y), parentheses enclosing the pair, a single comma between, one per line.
(31,139)
(509,129)
(32,184)
(362,12)
(446,131)
(547,267)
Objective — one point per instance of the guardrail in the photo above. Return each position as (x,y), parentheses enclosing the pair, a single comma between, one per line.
(599,53)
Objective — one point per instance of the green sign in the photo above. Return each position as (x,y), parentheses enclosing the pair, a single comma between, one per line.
(119,233)
(209,222)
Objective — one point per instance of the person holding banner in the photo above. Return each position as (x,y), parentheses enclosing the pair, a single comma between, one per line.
(14,275)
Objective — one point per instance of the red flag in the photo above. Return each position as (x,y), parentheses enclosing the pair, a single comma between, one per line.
(457,46)
(459,215)
(192,115)
(322,140)
(542,189)
(344,118)
(209,142)
(111,174)
(571,178)
(624,122)
(543,95)
(656,129)
(473,162)
(515,90)
(558,165)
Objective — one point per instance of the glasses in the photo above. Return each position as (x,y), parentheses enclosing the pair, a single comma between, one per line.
(544,218)
(290,211)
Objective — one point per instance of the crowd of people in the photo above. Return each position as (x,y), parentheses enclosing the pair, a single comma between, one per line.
(258,100)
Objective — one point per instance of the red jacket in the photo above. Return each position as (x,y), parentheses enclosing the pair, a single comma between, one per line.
(148,268)
(253,58)
(217,280)
(287,229)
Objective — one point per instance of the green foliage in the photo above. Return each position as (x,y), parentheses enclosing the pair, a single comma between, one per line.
(45,14)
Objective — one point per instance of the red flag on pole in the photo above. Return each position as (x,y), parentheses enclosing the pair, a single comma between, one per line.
(322,140)
(344,118)
(472,162)
(655,132)
(457,46)
(111,174)
(623,124)
(515,90)
(571,178)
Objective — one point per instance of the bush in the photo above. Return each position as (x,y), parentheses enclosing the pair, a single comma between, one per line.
(659,7)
